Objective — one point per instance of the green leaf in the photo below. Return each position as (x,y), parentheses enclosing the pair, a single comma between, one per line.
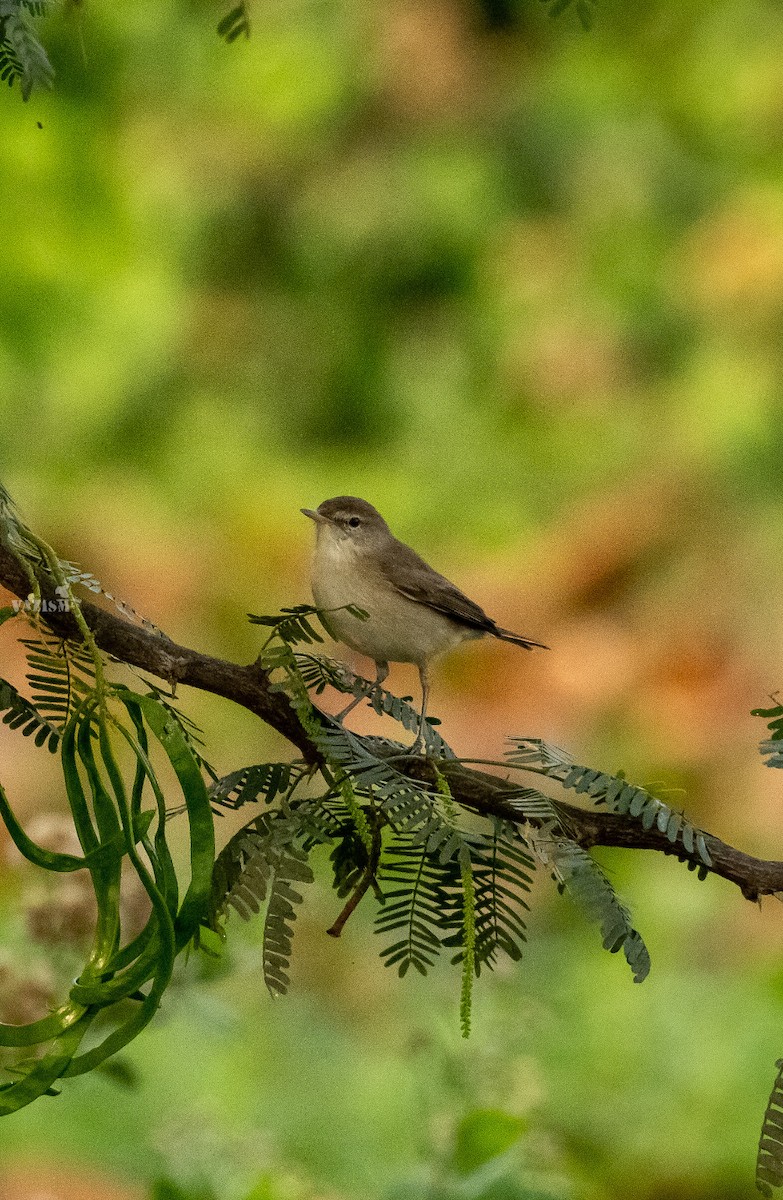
(60,675)
(590,888)
(235,23)
(531,754)
(414,907)
(482,1135)
(23,53)
(38,855)
(201,827)
(256,867)
(502,870)
(21,713)
(771,748)
(264,780)
(319,672)
(47,1070)
(769,1163)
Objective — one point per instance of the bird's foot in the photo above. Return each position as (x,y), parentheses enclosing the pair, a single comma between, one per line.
(418,746)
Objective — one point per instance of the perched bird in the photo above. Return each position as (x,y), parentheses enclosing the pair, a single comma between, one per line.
(414,614)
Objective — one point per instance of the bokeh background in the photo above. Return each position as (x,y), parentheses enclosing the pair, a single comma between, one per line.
(521,286)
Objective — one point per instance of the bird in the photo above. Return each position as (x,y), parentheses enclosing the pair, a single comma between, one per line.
(413,613)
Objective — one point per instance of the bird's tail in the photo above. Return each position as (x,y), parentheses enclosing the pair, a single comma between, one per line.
(506,635)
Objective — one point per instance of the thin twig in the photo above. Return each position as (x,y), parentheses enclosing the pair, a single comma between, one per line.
(362,886)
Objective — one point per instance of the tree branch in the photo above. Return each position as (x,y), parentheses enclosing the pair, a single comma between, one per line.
(156,653)
(485,794)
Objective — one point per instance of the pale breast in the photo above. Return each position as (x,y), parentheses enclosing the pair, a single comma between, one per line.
(397,629)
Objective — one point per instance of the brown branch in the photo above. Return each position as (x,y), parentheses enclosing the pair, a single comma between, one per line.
(485,794)
(153,652)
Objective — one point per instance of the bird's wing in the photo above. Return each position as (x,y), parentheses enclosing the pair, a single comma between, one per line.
(415,579)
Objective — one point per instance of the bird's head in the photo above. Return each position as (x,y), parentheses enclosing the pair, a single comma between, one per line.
(350,522)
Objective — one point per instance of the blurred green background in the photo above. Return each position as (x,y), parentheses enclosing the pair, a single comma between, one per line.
(521,286)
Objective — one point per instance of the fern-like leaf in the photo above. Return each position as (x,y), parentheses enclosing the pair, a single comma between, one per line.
(320,672)
(324,820)
(258,867)
(235,24)
(580,876)
(289,867)
(769,1163)
(265,781)
(502,869)
(240,874)
(22,56)
(20,713)
(10,67)
(425,886)
(60,675)
(585,10)
(612,790)
(292,625)
(349,860)
(772,747)
(535,806)
(406,806)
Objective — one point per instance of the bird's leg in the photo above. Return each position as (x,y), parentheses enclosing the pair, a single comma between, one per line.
(425,691)
(382,670)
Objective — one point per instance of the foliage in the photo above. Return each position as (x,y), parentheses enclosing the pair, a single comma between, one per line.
(614,791)
(22,56)
(769,1163)
(261,864)
(585,10)
(439,882)
(415,905)
(320,672)
(443,877)
(267,780)
(78,711)
(573,869)
(771,748)
(590,888)
(502,870)
(235,23)
(21,713)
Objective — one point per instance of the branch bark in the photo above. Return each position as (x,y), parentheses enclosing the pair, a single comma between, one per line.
(485,794)
(154,652)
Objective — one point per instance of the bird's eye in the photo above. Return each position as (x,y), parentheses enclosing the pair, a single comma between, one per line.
(354,522)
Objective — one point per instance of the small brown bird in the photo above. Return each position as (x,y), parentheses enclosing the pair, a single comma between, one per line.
(414,614)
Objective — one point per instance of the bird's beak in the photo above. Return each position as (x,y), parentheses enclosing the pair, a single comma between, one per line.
(314,516)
